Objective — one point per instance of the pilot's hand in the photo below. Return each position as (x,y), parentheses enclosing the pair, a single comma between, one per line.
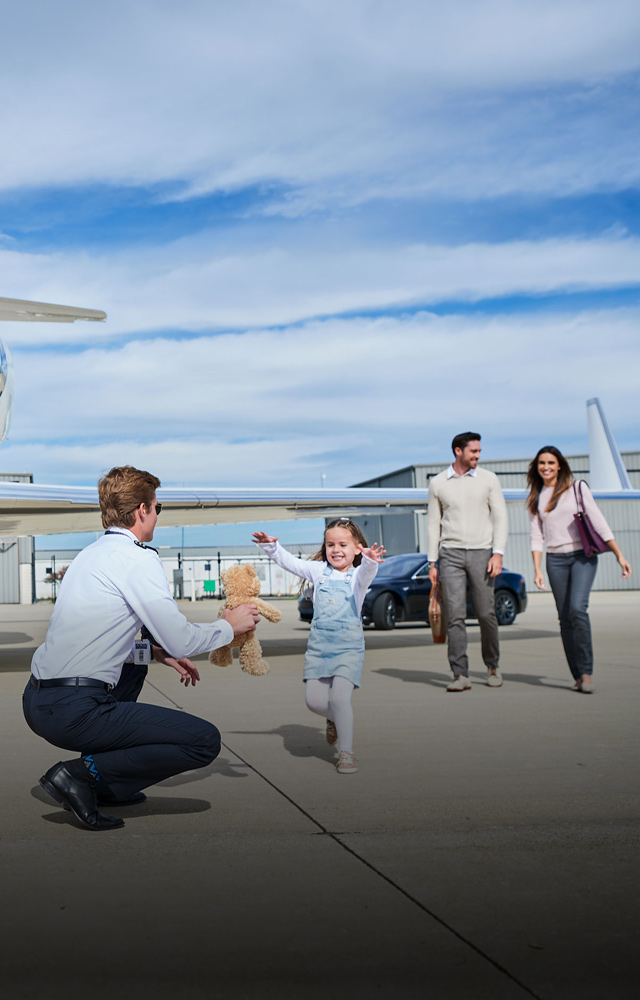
(243,618)
(187,670)
(261,538)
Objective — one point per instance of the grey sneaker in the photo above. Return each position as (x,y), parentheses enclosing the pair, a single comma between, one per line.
(347,763)
(494,678)
(459,683)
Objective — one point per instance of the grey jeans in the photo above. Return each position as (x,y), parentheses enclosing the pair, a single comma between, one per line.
(457,566)
(571,575)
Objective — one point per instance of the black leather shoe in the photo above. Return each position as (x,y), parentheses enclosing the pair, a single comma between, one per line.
(108,799)
(78,795)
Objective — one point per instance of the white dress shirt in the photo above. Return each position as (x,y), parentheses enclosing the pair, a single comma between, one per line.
(110,590)
(452,474)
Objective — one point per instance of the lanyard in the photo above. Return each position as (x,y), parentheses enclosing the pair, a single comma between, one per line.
(140,545)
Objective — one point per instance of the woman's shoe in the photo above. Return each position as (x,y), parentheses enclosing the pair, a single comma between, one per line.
(347,763)
(586,684)
(331,733)
(578,685)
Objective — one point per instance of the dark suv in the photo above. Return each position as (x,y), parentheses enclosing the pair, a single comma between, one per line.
(400,593)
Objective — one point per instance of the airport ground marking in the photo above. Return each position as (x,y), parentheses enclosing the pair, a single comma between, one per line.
(336,838)
(425,909)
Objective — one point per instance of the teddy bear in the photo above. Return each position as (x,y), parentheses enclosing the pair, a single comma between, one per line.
(242,586)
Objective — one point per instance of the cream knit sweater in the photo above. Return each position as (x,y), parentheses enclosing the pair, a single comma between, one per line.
(466,512)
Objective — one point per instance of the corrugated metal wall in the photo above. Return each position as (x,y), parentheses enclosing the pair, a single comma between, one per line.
(9,571)
(13,553)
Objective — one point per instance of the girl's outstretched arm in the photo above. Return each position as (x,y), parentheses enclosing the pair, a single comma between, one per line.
(376,552)
(306,568)
(261,538)
(366,571)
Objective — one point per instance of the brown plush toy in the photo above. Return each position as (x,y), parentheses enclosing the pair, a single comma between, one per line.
(242,586)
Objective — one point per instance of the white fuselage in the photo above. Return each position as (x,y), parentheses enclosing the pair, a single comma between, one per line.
(6,390)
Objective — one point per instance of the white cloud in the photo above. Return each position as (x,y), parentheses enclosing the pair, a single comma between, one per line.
(348,398)
(189,286)
(340,101)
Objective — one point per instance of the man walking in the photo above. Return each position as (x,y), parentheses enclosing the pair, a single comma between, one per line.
(78,696)
(467,532)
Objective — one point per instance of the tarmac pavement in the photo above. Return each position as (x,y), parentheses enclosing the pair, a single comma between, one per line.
(486,848)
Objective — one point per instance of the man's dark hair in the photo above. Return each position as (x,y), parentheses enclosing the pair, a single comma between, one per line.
(462,440)
(121,491)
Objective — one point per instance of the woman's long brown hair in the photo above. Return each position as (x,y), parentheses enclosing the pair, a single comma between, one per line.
(535,481)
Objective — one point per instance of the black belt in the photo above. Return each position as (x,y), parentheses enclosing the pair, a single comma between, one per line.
(83,682)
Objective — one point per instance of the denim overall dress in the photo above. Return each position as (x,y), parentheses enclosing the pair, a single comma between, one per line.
(336,639)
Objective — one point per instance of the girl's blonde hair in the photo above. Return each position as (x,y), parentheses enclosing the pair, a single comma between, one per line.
(321,554)
(341,522)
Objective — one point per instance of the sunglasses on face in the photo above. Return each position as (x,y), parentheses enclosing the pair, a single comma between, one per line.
(158,507)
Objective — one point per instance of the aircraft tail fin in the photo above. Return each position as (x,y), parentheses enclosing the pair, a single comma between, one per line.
(608,471)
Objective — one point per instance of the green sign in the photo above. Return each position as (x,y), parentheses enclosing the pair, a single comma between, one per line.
(209,586)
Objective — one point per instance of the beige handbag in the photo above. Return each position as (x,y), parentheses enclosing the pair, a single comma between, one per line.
(437,616)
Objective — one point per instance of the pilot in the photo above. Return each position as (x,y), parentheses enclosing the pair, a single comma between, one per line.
(79,698)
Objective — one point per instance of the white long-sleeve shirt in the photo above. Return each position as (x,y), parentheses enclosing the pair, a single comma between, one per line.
(110,590)
(313,570)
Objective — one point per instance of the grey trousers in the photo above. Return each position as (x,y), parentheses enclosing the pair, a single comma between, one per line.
(457,566)
(571,575)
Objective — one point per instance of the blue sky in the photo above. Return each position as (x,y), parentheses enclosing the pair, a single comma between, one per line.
(327,236)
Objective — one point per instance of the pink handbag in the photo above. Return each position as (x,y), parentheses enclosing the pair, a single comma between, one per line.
(592,543)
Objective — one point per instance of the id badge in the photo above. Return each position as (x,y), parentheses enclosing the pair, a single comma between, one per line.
(142,652)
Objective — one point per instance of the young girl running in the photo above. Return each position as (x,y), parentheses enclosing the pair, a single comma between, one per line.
(340,574)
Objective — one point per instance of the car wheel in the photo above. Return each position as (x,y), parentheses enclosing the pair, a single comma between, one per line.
(506,607)
(384,612)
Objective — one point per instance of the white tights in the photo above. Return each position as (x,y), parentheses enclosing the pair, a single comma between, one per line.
(331,697)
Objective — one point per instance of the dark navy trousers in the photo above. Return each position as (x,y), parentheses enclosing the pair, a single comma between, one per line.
(133,746)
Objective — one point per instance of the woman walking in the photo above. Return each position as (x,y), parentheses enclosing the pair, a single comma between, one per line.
(552,505)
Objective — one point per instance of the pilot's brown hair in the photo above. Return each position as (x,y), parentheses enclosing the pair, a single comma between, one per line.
(121,491)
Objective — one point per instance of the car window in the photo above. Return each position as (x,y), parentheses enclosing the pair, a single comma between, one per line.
(398,566)
(422,570)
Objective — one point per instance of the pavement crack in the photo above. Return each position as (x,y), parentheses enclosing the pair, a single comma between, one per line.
(434,916)
(275,787)
(416,902)
(180,708)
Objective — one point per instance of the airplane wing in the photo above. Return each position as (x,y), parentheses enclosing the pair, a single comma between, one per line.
(45,312)
(32,509)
